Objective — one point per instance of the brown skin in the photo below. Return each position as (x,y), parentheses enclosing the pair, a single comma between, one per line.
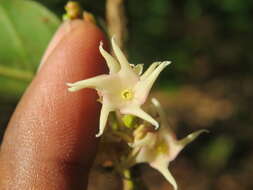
(50,141)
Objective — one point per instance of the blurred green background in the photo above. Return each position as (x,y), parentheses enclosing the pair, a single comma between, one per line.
(209,85)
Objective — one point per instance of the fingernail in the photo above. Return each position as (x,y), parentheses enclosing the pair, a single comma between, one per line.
(60,34)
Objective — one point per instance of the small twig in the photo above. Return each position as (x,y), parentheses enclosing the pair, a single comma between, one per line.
(128,183)
(116,20)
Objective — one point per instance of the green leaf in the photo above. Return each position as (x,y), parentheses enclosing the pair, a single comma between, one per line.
(26,28)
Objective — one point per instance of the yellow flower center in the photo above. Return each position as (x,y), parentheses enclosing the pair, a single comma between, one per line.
(127,94)
(162,147)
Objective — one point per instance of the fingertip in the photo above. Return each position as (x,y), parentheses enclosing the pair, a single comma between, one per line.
(52,125)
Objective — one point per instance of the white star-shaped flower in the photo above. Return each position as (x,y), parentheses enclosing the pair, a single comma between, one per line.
(159,148)
(125,88)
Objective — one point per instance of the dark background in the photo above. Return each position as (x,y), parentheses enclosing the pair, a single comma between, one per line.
(209,85)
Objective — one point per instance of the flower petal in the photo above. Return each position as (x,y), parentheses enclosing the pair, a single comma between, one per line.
(163,119)
(137,68)
(144,86)
(160,111)
(106,109)
(110,60)
(148,140)
(137,111)
(120,56)
(150,70)
(189,138)
(163,169)
(94,82)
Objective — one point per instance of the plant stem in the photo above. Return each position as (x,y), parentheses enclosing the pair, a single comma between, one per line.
(128,183)
(116,21)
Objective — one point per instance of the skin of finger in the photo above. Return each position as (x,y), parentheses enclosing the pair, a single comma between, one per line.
(50,141)
(62,31)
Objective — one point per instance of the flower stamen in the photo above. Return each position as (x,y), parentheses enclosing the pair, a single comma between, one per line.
(127,94)
(162,148)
